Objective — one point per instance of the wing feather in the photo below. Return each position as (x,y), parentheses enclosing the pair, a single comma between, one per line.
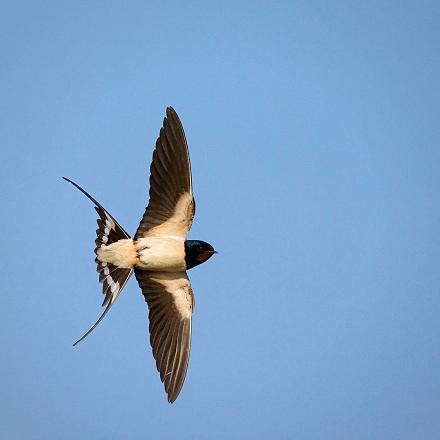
(170,303)
(171,208)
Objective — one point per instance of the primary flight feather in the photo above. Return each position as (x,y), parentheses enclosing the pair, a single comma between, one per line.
(159,255)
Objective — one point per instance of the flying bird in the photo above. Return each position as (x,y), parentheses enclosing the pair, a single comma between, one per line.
(158,254)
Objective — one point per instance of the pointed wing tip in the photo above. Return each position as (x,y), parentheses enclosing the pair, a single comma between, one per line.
(171,113)
(172,398)
(174,393)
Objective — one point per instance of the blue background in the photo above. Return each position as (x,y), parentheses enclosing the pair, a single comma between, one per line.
(315,145)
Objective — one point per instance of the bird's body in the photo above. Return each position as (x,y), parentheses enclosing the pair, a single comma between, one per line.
(162,254)
(158,254)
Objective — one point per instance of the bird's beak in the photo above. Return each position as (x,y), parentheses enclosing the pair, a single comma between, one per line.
(214,252)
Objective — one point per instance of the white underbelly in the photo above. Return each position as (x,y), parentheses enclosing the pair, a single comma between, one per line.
(121,253)
(160,254)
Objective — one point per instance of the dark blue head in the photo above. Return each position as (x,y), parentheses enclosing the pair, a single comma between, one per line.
(197,252)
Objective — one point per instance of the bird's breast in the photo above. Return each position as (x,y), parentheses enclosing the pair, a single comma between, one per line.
(162,254)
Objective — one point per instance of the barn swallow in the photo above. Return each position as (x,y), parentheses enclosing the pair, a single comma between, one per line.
(158,254)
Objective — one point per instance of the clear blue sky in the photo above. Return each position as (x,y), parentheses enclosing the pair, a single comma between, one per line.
(314,135)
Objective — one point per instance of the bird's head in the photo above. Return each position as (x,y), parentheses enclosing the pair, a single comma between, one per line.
(197,252)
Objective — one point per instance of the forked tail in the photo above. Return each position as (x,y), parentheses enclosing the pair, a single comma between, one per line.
(113,278)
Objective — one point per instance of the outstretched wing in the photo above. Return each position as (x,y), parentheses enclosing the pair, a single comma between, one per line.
(171,303)
(171,208)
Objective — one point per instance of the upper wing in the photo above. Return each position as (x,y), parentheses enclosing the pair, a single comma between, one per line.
(170,302)
(171,207)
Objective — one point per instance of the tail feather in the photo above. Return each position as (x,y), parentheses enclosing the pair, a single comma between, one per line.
(113,278)
(108,302)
